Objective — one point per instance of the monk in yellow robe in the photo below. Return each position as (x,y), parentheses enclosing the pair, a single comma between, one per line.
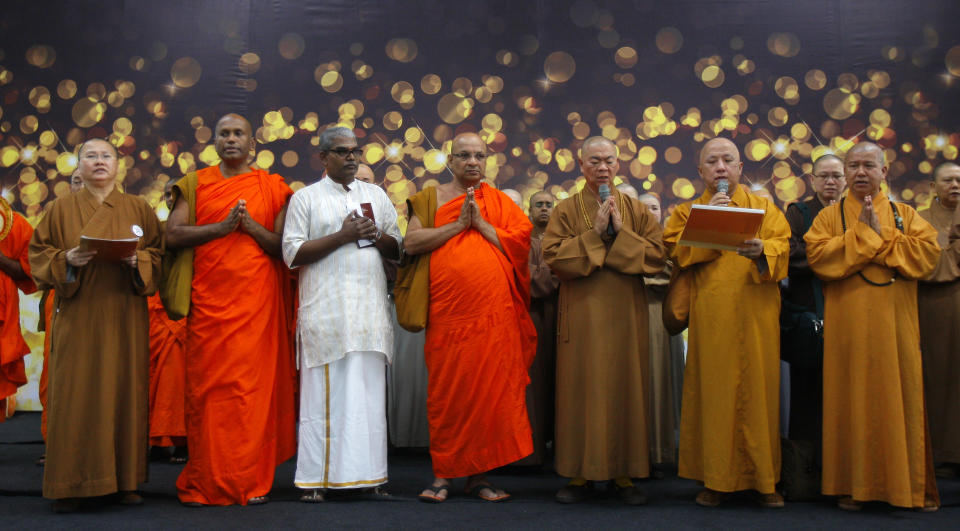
(14,274)
(241,377)
(939,305)
(480,340)
(870,254)
(730,419)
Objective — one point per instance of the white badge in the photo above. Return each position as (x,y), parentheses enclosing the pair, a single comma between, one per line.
(137,231)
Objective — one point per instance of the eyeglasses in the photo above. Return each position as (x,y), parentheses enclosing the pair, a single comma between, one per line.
(464,156)
(543,204)
(343,152)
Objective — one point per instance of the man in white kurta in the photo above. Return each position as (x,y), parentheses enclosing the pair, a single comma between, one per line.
(344,331)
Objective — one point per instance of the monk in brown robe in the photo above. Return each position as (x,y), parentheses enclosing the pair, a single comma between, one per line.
(14,274)
(939,305)
(97,423)
(869,253)
(600,247)
(480,340)
(543,312)
(241,378)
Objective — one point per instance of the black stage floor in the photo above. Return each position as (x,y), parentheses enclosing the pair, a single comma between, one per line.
(532,507)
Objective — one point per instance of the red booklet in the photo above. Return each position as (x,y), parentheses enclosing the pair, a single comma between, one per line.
(366,210)
(717,227)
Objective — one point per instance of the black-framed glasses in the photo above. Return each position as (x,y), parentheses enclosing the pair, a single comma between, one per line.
(343,152)
(464,156)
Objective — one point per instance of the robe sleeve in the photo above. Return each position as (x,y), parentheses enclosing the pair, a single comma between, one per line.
(543,282)
(149,254)
(914,252)
(775,234)
(568,253)
(638,250)
(798,247)
(513,231)
(21,252)
(296,227)
(948,268)
(684,256)
(48,262)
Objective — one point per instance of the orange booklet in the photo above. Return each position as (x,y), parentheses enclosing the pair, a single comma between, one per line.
(109,250)
(718,227)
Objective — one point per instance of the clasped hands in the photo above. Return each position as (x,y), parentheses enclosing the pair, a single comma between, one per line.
(470,215)
(356,227)
(239,216)
(752,249)
(869,216)
(607,213)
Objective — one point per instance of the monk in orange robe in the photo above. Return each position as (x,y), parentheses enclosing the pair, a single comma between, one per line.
(730,418)
(14,273)
(870,254)
(240,378)
(480,340)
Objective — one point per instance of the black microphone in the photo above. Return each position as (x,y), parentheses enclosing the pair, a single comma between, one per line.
(604,192)
(723,186)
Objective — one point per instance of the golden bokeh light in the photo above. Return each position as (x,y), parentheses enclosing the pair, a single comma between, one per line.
(249,63)
(815,79)
(291,46)
(559,67)
(185,72)
(454,109)
(682,188)
(669,40)
(402,50)
(784,44)
(331,80)
(712,76)
(41,56)
(625,57)
(952,61)
(840,104)
(431,84)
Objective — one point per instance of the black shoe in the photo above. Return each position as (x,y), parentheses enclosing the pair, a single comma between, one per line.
(574,493)
(631,495)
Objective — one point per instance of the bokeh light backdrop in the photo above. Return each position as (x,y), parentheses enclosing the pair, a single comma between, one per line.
(787,81)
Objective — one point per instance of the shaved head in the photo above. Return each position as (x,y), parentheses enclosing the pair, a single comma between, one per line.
(592,141)
(365,174)
(868,147)
(462,138)
(234,116)
(825,158)
(718,141)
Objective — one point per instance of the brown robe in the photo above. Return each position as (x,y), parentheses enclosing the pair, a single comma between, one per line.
(543,370)
(97,424)
(939,305)
(666,379)
(602,343)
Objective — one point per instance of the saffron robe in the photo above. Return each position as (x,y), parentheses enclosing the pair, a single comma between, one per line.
(97,392)
(602,337)
(479,341)
(666,375)
(939,307)
(729,425)
(875,445)
(167,375)
(12,346)
(241,376)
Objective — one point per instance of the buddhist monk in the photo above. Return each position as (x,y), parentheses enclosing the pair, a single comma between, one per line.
(514,196)
(241,377)
(600,245)
(98,389)
(480,340)
(666,364)
(869,253)
(729,426)
(629,190)
(14,274)
(543,310)
(939,305)
(167,374)
(364,174)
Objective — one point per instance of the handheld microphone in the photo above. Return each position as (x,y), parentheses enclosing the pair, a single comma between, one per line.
(723,186)
(604,191)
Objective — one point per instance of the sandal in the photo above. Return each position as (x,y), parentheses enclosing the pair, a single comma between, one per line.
(258,500)
(477,492)
(312,496)
(436,491)
(179,456)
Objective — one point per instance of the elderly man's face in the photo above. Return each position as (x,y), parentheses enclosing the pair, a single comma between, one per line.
(947,186)
(98,163)
(720,159)
(828,180)
(541,205)
(468,156)
(599,164)
(340,160)
(864,170)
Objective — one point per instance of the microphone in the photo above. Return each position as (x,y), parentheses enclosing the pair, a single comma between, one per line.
(604,192)
(723,186)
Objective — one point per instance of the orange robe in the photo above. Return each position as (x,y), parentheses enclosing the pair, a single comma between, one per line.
(875,443)
(240,378)
(47,316)
(12,346)
(167,374)
(730,418)
(480,341)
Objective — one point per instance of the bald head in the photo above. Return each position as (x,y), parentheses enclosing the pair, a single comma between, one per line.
(465,138)
(234,141)
(718,143)
(541,205)
(629,190)
(652,202)
(365,174)
(864,169)
(514,196)
(829,157)
(468,156)
(720,160)
(598,162)
(589,144)
(868,147)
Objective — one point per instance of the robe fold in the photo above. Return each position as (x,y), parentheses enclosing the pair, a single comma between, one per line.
(46,309)
(729,425)
(241,373)
(875,443)
(666,375)
(603,342)
(98,369)
(479,341)
(939,312)
(12,346)
(167,374)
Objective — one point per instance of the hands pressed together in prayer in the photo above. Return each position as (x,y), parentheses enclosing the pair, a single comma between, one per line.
(239,217)
(869,216)
(357,227)
(608,213)
(470,215)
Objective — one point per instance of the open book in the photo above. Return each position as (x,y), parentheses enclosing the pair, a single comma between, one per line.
(719,227)
(109,250)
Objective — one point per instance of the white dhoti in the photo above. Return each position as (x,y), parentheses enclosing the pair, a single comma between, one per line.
(343,423)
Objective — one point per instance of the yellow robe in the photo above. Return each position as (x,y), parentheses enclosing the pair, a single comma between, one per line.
(730,414)
(875,445)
